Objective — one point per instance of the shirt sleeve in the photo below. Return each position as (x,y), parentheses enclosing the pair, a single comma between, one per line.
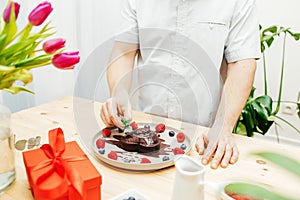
(243,40)
(128,31)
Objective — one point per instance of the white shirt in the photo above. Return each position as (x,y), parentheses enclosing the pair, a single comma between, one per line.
(182,44)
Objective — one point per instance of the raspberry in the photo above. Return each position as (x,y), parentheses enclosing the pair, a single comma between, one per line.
(160,128)
(178,151)
(100,144)
(145,160)
(106,132)
(180,137)
(134,125)
(113,155)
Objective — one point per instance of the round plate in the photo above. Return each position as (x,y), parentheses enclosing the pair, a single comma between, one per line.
(170,149)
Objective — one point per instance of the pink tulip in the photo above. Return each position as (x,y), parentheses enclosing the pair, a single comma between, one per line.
(53,45)
(39,14)
(7,11)
(66,60)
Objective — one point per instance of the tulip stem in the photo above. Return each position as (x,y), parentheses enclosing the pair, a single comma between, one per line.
(39,50)
(24,32)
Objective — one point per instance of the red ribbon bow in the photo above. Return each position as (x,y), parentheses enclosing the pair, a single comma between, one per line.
(58,164)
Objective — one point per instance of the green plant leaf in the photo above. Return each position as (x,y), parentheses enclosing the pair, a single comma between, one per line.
(6,68)
(125,123)
(2,40)
(262,47)
(270,41)
(25,32)
(297,36)
(252,92)
(18,46)
(10,29)
(262,126)
(34,61)
(271,29)
(266,101)
(283,161)
(25,53)
(265,38)
(17,89)
(260,110)
(248,122)
(253,191)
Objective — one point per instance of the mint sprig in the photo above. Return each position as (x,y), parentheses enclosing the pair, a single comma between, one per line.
(126,123)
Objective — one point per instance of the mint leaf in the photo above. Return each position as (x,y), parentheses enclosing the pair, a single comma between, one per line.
(125,123)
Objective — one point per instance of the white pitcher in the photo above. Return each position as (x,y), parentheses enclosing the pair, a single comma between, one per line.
(189,179)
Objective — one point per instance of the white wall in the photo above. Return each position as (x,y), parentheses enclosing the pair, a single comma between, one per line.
(86,24)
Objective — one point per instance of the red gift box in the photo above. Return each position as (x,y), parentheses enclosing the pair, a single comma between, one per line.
(61,171)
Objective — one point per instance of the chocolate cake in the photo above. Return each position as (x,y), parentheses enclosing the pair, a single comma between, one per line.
(141,140)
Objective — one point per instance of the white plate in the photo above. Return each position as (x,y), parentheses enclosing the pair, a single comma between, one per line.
(132,160)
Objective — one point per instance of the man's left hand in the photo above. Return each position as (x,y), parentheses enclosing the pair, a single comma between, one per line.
(221,153)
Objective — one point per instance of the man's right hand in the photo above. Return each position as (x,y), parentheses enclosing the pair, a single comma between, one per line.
(112,110)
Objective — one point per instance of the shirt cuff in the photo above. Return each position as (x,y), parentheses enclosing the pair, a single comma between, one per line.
(128,37)
(241,55)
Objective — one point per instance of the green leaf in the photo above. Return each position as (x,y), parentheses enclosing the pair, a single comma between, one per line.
(282,161)
(265,38)
(260,110)
(17,89)
(6,68)
(34,61)
(266,101)
(253,191)
(23,75)
(271,29)
(262,47)
(270,41)
(25,32)
(15,48)
(262,125)
(252,92)
(2,40)
(10,29)
(297,36)
(126,123)
(27,52)
(248,122)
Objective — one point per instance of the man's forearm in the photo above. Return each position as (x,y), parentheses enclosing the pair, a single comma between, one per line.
(119,72)
(237,87)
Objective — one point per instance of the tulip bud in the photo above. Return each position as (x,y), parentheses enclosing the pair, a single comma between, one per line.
(66,60)
(7,11)
(39,14)
(53,45)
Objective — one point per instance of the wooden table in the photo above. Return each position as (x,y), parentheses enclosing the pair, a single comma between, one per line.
(38,120)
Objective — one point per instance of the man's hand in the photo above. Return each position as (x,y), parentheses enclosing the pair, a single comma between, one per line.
(119,78)
(221,148)
(113,108)
(222,153)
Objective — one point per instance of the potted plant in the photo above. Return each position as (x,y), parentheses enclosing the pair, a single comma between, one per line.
(258,114)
